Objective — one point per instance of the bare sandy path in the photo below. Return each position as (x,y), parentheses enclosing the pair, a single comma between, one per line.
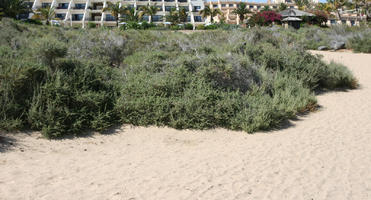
(325,155)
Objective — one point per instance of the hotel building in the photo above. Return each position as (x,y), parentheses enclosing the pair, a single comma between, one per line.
(81,12)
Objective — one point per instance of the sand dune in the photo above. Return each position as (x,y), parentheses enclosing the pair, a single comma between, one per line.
(324,155)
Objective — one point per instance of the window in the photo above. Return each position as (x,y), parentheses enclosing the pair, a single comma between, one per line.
(343,21)
(251,6)
(291,6)
(198,18)
(215,5)
(77,17)
(188,18)
(109,17)
(230,5)
(157,18)
(196,8)
(60,16)
(259,7)
(159,8)
(145,18)
(332,21)
(352,22)
(63,6)
(80,6)
(169,0)
(182,1)
(223,5)
(45,5)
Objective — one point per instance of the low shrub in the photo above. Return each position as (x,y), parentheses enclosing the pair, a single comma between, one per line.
(200,27)
(69,81)
(360,43)
(188,26)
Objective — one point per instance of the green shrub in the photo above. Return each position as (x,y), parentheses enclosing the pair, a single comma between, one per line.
(200,27)
(92,25)
(360,44)
(68,81)
(188,26)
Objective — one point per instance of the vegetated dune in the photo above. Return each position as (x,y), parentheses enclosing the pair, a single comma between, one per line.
(323,155)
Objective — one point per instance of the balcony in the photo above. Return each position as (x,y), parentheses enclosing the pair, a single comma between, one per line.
(77,17)
(63,6)
(79,6)
(97,6)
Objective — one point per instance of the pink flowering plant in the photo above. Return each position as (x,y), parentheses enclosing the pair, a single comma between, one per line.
(264,18)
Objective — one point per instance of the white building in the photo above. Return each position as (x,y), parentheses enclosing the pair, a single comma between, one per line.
(82,12)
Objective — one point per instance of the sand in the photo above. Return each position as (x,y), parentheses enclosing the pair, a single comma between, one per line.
(323,155)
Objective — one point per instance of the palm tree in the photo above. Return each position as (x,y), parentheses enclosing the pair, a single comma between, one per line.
(362,6)
(115,10)
(282,7)
(338,5)
(207,11)
(241,11)
(183,15)
(302,4)
(131,15)
(173,16)
(44,14)
(149,10)
(13,8)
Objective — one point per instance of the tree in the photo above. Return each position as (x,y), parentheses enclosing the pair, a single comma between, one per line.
(148,10)
(266,8)
(282,7)
(13,8)
(183,15)
(241,11)
(173,17)
(302,4)
(131,15)
(209,12)
(115,10)
(338,5)
(325,7)
(362,7)
(44,14)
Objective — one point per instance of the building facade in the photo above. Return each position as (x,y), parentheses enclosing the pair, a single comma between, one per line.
(228,6)
(81,12)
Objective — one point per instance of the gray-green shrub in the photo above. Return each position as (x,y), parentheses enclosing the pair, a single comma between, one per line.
(69,81)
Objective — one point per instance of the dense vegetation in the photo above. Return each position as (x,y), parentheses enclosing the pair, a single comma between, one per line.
(312,37)
(65,81)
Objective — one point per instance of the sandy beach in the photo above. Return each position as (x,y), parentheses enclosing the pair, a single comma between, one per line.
(323,155)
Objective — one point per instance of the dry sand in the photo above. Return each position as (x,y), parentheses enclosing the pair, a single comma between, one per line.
(324,155)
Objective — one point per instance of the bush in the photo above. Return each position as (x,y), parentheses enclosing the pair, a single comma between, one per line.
(211,27)
(69,81)
(92,25)
(264,18)
(200,27)
(188,26)
(360,43)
